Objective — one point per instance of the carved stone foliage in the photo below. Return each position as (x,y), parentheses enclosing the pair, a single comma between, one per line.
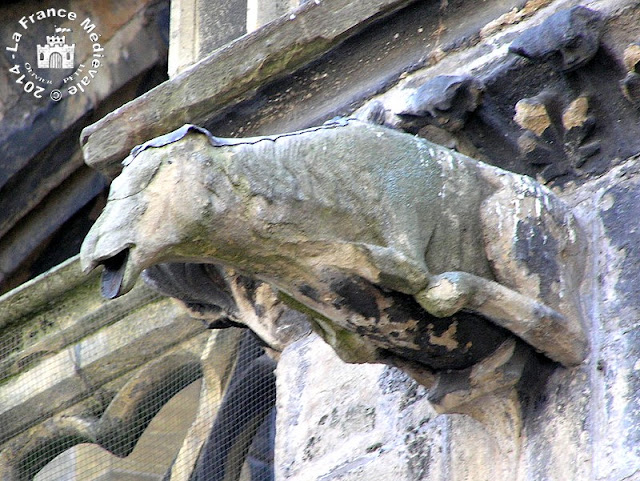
(579,104)
(444,101)
(558,135)
(566,123)
(631,83)
(553,109)
(564,131)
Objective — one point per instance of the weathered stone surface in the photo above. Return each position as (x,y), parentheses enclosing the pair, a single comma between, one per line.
(567,39)
(354,69)
(631,83)
(417,225)
(45,191)
(199,27)
(228,76)
(372,422)
(617,376)
(349,301)
(128,30)
(560,145)
(223,298)
(19,243)
(259,13)
(68,374)
(444,101)
(575,424)
(377,57)
(583,134)
(579,423)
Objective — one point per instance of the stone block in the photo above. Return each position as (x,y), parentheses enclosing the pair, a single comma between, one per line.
(339,421)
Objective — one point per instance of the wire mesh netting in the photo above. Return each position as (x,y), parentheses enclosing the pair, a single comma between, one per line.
(184,403)
(238,445)
(244,426)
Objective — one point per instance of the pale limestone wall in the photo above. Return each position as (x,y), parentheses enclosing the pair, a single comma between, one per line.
(198,27)
(348,422)
(354,422)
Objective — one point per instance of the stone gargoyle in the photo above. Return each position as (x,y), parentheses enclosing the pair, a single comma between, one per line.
(392,245)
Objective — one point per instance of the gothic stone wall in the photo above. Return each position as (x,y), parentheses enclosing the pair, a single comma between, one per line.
(559,103)
(339,421)
(354,422)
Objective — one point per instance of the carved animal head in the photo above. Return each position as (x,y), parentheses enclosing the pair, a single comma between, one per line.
(149,215)
(444,101)
(567,40)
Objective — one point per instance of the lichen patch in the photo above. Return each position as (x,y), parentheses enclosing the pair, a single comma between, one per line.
(447,338)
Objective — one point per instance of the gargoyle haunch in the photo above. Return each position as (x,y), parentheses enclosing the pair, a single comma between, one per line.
(350,217)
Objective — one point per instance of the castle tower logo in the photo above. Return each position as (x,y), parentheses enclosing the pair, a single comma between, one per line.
(56,53)
(61,57)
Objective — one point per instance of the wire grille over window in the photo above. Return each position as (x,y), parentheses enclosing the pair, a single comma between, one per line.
(130,389)
(239,444)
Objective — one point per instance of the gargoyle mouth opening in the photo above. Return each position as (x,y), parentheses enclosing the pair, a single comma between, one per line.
(113,274)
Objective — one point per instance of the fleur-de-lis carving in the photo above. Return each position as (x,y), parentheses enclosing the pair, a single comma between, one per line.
(557,133)
(631,83)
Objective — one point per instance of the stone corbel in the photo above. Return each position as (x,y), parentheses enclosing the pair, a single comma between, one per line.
(222,298)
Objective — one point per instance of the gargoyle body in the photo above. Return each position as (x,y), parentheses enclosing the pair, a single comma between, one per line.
(377,235)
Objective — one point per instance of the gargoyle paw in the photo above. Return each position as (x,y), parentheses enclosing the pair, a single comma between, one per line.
(444,295)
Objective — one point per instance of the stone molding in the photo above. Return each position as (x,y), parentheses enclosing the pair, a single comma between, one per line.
(200,92)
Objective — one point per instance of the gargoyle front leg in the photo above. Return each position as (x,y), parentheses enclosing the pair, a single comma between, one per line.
(539,325)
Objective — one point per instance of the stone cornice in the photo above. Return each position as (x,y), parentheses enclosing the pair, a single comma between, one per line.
(229,75)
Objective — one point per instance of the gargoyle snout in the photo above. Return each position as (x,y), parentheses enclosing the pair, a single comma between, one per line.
(109,245)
